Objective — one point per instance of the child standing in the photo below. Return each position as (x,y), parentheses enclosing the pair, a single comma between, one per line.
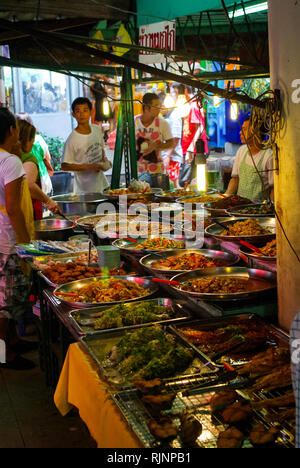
(84,151)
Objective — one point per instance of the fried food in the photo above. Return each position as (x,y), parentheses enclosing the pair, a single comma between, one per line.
(280,378)
(190,428)
(158,403)
(249,227)
(215,285)
(269,250)
(237,412)
(222,399)
(200,199)
(62,273)
(163,430)
(189,261)
(265,362)
(230,202)
(285,400)
(260,435)
(110,290)
(230,438)
(148,386)
(159,243)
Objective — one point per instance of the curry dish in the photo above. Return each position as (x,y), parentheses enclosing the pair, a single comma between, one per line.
(215,284)
(189,261)
(250,227)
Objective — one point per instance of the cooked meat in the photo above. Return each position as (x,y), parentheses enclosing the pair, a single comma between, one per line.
(238,412)
(191,428)
(280,378)
(260,435)
(163,430)
(265,362)
(148,386)
(158,403)
(231,438)
(286,400)
(222,399)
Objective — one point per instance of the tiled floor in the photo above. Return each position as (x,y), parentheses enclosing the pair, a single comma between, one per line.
(29,418)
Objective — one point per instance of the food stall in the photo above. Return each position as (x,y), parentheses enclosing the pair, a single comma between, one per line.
(169,346)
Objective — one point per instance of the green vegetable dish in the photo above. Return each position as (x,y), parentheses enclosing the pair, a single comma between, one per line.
(122,315)
(150,353)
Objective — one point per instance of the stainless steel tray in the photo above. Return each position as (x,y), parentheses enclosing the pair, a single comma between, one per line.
(227,259)
(172,195)
(100,345)
(195,202)
(131,196)
(83,319)
(125,244)
(64,258)
(249,253)
(145,282)
(270,223)
(274,335)
(237,211)
(79,204)
(259,283)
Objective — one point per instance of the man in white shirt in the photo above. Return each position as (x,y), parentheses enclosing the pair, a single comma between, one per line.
(245,179)
(153,134)
(84,151)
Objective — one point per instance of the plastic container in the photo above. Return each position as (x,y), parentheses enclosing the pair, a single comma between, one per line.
(225,170)
(212,173)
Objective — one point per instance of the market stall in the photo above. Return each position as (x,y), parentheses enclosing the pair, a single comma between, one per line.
(153,340)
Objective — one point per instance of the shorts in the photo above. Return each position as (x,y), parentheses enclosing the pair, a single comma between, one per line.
(173,170)
(14,288)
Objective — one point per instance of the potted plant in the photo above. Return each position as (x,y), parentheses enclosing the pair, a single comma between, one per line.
(62,181)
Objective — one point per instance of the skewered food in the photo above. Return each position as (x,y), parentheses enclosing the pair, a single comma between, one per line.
(222,399)
(285,400)
(189,261)
(150,353)
(249,227)
(134,314)
(215,284)
(265,362)
(237,412)
(110,290)
(230,438)
(280,378)
(163,429)
(190,428)
(260,435)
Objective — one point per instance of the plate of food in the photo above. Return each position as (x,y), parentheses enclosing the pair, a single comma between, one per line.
(254,210)
(149,244)
(221,206)
(268,252)
(173,195)
(258,230)
(92,292)
(225,284)
(135,190)
(195,199)
(178,261)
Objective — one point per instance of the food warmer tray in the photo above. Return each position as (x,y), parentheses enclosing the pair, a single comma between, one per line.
(275,336)
(99,352)
(259,283)
(188,398)
(237,211)
(226,258)
(82,319)
(270,223)
(125,244)
(145,282)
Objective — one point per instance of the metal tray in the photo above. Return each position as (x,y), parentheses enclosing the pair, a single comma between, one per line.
(125,244)
(215,230)
(64,258)
(171,196)
(250,254)
(195,203)
(100,345)
(90,222)
(145,282)
(83,319)
(226,258)
(236,211)
(260,282)
(275,335)
(131,196)
(79,204)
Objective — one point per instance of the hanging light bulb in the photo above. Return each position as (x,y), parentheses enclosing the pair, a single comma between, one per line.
(105,107)
(182,107)
(200,162)
(234,111)
(169,102)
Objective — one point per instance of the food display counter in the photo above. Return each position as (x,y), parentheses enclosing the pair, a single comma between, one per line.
(157,362)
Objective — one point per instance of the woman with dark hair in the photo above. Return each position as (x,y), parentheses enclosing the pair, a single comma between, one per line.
(26,137)
(16,221)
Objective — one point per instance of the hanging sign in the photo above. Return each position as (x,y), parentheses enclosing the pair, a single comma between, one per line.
(158,36)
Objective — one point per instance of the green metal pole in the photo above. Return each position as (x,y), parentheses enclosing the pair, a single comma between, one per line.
(130,122)
(118,153)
